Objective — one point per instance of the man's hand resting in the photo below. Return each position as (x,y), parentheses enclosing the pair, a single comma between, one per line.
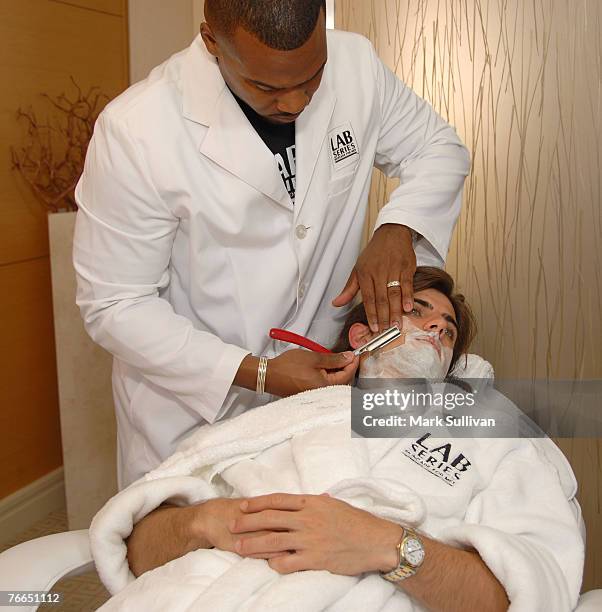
(315,532)
(170,532)
(318,532)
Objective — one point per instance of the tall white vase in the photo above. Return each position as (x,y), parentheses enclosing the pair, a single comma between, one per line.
(84,378)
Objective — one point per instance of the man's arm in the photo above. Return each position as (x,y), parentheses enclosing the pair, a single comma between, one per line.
(170,532)
(421,149)
(122,248)
(452,579)
(162,536)
(299,370)
(329,534)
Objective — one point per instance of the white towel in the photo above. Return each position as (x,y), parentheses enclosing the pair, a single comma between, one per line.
(527,535)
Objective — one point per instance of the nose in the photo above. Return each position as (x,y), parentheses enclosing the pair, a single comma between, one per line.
(293,102)
(436,324)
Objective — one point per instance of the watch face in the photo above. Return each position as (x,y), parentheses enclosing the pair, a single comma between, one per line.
(413,552)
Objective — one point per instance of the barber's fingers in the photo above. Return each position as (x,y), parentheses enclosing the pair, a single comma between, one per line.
(343,376)
(401,298)
(381,300)
(368,298)
(394,294)
(334,361)
(407,283)
(350,290)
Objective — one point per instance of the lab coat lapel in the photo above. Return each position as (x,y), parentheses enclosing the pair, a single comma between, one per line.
(311,130)
(231,141)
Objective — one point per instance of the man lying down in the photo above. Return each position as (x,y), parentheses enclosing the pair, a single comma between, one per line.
(281,509)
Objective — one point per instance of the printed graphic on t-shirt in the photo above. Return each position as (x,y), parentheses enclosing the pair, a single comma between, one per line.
(280,140)
(288,170)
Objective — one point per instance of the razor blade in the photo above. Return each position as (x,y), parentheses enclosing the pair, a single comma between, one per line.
(381,340)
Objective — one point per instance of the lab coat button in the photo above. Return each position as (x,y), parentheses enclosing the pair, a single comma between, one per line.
(301,231)
(301,290)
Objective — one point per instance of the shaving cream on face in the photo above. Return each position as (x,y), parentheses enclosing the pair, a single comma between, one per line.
(420,356)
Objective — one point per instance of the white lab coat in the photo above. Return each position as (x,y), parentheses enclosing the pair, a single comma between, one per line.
(187,246)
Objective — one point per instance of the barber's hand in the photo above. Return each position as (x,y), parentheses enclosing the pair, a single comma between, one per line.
(389,256)
(299,370)
(315,532)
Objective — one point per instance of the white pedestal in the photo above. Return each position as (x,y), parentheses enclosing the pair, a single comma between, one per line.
(84,377)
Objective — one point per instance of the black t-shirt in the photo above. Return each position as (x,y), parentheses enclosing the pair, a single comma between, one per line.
(280,140)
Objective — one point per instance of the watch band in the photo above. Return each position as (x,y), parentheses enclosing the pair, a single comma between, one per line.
(404,568)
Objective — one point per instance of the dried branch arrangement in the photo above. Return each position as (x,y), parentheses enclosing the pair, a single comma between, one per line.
(52,158)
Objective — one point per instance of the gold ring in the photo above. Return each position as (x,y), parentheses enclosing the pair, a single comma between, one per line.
(393,284)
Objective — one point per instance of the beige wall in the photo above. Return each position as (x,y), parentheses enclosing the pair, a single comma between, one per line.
(42,44)
(158,29)
(522,83)
(198,14)
(522,86)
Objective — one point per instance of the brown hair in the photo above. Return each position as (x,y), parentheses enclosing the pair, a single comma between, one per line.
(425,278)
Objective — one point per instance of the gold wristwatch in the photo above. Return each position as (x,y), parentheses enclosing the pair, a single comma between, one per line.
(411,557)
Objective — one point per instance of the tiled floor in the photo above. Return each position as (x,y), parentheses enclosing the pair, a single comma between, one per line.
(80,594)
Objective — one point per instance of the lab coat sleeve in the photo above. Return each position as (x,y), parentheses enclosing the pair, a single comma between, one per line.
(122,248)
(525,529)
(417,146)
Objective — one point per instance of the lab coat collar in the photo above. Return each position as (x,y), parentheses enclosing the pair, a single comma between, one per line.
(202,83)
(310,131)
(233,143)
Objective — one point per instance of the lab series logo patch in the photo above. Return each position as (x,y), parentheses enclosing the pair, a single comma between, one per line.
(438,459)
(344,149)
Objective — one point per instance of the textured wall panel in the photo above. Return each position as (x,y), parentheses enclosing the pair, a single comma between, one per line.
(522,82)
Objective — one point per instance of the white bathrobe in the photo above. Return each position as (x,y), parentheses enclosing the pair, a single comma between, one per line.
(512,500)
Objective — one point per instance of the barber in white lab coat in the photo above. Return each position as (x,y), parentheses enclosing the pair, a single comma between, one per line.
(226,194)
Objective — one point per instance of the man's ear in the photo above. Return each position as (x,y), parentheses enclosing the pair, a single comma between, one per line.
(359,334)
(209,39)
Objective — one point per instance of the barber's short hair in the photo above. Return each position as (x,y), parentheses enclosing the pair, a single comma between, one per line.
(279,24)
(426,277)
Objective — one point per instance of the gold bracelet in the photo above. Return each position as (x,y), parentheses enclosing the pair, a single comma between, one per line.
(261,374)
(399,553)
